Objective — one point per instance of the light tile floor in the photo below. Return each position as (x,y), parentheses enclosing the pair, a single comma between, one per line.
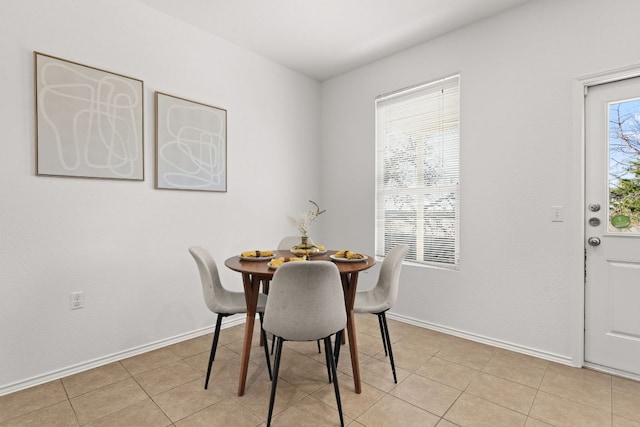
(443,381)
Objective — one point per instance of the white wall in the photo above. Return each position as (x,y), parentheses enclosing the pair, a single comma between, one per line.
(520,281)
(122,242)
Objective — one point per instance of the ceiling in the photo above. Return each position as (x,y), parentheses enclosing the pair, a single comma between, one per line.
(325,38)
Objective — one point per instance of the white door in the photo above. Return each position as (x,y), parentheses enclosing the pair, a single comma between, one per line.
(612,249)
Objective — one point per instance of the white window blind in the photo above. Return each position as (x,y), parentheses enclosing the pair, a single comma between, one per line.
(417,172)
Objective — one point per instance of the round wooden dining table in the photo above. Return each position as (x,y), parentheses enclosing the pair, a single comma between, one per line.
(256,272)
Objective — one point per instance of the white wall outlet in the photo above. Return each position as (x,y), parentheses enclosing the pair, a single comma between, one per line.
(557,213)
(76,300)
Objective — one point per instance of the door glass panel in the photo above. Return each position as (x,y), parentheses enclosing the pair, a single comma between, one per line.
(624,167)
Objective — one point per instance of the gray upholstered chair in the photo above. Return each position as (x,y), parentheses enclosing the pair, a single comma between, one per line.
(288,242)
(222,301)
(306,303)
(285,244)
(382,296)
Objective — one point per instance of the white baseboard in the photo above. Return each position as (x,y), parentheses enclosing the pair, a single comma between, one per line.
(85,366)
(612,371)
(233,321)
(565,360)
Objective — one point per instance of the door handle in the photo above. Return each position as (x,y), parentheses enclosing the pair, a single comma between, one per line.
(593,241)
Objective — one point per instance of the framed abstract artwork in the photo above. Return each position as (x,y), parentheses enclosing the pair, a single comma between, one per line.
(191,145)
(89,122)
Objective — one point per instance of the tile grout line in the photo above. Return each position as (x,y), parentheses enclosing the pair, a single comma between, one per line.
(573,379)
(66,392)
(536,395)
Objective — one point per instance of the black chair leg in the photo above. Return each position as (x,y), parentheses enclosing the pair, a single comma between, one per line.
(266,345)
(214,346)
(328,362)
(332,362)
(384,342)
(336,353)
(388,340)
(318,342)
(274,381)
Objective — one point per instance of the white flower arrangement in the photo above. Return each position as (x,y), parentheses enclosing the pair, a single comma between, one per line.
(306,218)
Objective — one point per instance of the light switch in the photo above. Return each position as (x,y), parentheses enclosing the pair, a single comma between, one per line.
(557,213)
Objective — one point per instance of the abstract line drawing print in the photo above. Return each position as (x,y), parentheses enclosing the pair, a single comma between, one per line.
(89,121)
(191,145)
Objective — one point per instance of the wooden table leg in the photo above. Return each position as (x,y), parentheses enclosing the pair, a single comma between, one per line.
(246,353)
(251,287)
(349,283)
(265,290)
(353,348)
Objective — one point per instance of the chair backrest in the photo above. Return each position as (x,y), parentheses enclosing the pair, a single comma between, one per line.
(214,293)
(290,241)
(389,278)
(306,301)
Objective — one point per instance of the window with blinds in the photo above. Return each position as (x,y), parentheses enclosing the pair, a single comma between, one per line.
(418,172)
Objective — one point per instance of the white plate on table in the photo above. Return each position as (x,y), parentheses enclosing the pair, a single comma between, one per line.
(257,258)
(307,251)
(273,267)
(335,258)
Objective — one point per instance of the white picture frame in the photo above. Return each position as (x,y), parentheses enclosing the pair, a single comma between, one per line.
(89,122)
(191,145)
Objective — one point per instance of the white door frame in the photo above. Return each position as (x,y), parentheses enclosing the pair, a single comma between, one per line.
(579,89)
